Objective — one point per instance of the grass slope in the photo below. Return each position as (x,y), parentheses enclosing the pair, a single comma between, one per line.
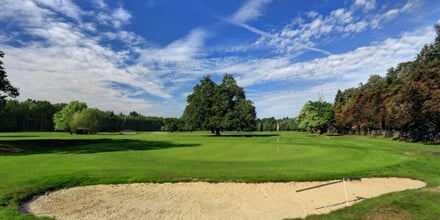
(32,163)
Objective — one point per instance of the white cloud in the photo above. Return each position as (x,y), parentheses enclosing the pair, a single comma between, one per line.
(58,33)
(356,27)
(65,7)
(66,62)
(252,10)
(63,74)
(116,18)
(300,35)
(181,50)
(312,14)
(25,13)
(340,16)
(120,16)
(129,38)
(367,4)
(390,14)
(354,65)
(255,30)
(249,11)
(288,103)
(393,13)
(100,3)
(331,73)
(410,4)
(304,33)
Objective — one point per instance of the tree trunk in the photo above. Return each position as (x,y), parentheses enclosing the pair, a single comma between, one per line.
(217,132)
(42,122)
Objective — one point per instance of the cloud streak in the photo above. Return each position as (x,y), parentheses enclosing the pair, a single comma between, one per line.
(181,50)
(251,10)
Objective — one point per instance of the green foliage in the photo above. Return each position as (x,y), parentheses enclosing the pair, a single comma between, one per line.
(219,107)
(89,120)
(33,115)
(243,116)
(270,124)
(199,112)
(138,122)
(63,118)
(32,163)
(6,89)
(266,124)
(316,116)
(406,99)
(173,124)
(29,115)
(288,124)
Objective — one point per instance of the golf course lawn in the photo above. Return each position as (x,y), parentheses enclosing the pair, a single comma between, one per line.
(32,163)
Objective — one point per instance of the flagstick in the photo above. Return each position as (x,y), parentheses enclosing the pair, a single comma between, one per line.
(345,190)
(278,138)
(278,144)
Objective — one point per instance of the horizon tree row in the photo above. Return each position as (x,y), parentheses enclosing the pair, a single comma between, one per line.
(407,99)
(33,115)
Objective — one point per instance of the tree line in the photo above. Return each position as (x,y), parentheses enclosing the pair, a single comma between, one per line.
(33,115)
(406,99)
(29,115)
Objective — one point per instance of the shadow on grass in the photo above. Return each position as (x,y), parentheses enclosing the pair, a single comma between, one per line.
(17,136)
(244,135)
(26,147)
(432,143)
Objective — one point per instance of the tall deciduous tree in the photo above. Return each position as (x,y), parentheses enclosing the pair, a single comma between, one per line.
(316,116)
(219,107)
(6,89)
(88,120)
(63,118)
(199,112)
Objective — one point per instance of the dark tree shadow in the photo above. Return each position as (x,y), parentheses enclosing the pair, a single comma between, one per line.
(26,147)
(432,143)
(17,136)
(244,135)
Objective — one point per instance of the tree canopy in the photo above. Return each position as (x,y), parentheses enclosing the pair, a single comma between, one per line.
(63,118)
(6,89)
(88,120)
(316,116)
(29,115)
(406,99)
(219,107)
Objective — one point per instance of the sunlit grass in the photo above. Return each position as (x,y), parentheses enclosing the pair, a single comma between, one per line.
(32,163)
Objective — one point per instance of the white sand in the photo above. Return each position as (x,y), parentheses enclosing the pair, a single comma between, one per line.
(200,200)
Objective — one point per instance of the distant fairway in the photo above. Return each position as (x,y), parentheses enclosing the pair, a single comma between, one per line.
(32,163)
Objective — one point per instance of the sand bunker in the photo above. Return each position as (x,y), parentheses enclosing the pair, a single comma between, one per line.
(200,200)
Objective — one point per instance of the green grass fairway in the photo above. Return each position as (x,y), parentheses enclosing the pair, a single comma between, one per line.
(32,163)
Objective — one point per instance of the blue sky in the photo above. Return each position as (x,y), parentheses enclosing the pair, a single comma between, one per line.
(147,55)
